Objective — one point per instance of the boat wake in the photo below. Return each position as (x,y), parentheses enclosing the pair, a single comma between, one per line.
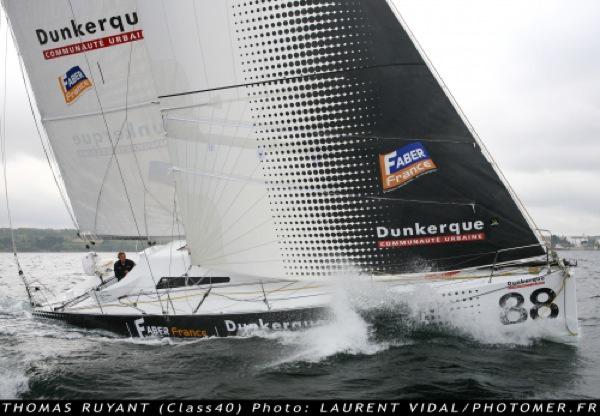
(345,332)
(367,319)
(11,307)
(14,381)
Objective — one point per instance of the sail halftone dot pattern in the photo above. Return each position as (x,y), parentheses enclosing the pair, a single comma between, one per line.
(329,83)
(312,129)
(277,127)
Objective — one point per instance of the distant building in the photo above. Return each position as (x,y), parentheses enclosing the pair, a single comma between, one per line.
(578,241)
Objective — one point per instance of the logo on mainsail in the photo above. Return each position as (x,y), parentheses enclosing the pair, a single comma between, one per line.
(404,164)
(73,84)
(79,31)
(432,234)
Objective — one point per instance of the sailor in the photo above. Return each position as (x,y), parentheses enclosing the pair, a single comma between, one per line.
(122,266)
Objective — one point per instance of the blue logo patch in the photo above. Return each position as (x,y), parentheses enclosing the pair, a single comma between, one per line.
(73,84)
(404,164)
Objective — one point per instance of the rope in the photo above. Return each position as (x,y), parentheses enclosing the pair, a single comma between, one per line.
(116,159)
(4,171)
(61,192)
(422,201)
(528,218)
(560,290)
(47,149)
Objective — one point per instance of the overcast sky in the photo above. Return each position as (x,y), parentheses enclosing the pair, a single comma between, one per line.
(526,73)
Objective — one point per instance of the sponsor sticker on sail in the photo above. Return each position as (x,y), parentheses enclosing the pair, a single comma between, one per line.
(73,84)
(83,30)
(430,234)
(404,165)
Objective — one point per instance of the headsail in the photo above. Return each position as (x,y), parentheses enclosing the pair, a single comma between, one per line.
(90,75)
(311,136)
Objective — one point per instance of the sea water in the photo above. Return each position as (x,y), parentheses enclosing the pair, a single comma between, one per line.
(367,349)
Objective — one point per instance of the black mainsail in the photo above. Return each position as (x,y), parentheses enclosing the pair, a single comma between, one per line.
(367,162)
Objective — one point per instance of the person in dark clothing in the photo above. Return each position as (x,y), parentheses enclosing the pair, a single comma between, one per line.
(123,266)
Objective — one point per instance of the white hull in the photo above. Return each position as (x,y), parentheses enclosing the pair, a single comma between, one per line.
(538,302)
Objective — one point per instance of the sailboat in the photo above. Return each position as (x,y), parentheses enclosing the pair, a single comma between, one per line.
(295,142)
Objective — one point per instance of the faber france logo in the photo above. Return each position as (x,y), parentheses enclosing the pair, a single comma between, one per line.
(404,164)
(124,24)
(73,84)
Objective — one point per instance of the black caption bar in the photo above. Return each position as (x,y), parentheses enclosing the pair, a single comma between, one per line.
(298,407)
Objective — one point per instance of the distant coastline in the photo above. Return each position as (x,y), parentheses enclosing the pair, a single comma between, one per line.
(52,241)
(580,242)
(66,240)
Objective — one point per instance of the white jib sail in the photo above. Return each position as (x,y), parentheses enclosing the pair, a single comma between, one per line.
(220,184)
(90,74)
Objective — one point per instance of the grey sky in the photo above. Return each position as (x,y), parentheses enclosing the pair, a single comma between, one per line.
(526,73)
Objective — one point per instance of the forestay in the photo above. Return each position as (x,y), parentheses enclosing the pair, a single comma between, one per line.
(89,71)
(311,137)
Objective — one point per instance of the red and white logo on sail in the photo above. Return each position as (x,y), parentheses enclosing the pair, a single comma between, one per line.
(76,30)
(426,235)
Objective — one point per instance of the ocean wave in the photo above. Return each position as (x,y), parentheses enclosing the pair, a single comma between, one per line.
(13,383)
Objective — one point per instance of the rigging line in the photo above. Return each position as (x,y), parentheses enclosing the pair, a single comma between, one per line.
(564,286)
(48,153)
(124,126)
(255,295)
(166,15)
(179,235)
(61,191)
(172,237)
(146,190)
(470,260)
(238,237)
(470,143)
(239,251)
(229,33)
(174,212)
(210,145)
(134,153)
(137,163)
(4,171)
(200,43)
(145,204)
(232,224)
(171,246)
(105,176)
(469,257)
(110,110)
(209,149)
(465,119)
(113,146)
(294,78)
(225,163)
(232,204)
(421,201)
(209,174)
(224,122)
(231,170)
